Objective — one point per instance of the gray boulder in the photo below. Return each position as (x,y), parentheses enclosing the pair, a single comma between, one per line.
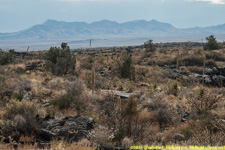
(28,96)
(185,117)
(72,128)
(177,137)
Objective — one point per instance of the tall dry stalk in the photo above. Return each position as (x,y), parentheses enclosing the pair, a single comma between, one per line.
(93,79)
(203,73)
(118,112)
(177,66)
(221,82)
(27,50)
(21,55)
(33,55)
(119,104)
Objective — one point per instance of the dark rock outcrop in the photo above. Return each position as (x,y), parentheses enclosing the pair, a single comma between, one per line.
(213,76)
(186,117)
(28,96)
(33,66)
(178,137)
(71,129)
(111,148)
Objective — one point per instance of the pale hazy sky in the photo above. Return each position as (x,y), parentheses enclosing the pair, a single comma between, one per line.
(17,15)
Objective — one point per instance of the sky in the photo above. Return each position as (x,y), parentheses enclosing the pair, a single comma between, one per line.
(16,15)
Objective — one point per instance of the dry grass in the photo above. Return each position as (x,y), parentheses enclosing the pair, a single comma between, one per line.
(160,101)
(55,145)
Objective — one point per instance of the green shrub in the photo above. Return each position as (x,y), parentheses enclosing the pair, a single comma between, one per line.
(20,117)
(129,113)
(203,102)
(215,56)
(20,70)
(120,88)
(202,111)
(160,110)
(22,86)
(130,109)
(60,61)
(125,66)
(202,92)
(72,99)
(19,96)
(174,89)
(210,63)
(211,43)
(69,101)
(24,108)
(87,63)
(163,62)
(6,57)
(193,60)
(149,46)
(63,102)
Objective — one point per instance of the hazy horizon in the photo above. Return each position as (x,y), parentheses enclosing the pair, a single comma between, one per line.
(19,15)
(112,21)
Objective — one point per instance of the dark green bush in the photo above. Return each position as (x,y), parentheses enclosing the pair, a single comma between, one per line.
(149,46)
(210,63)
(19,96)
(211,43)
(204,101)
(63,102)
(72,99)
(60,61)
(196,60)
(20,117)
(20,70)
(162,62)
(6,57)
(174,89)
(87,63)
(192,61)
(215,56)
(69,101)
(126,68)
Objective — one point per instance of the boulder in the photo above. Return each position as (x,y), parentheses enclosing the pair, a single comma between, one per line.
(178,137)
(72,128)
(213,76)
(47,135)
(33,66)
(111,148)
(28,96)
(185,117)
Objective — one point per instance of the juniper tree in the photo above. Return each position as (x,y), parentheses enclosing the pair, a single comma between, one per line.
(211,43)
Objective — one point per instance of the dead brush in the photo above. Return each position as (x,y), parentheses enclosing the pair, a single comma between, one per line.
(93,79)
(204,101)
(206,131)
(101,135)
(143,70)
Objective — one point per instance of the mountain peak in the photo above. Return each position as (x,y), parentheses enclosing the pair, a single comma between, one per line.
(53,29)
(51,21)
(105,21)
(153,20)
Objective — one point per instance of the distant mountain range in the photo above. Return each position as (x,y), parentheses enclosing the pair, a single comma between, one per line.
(73,32)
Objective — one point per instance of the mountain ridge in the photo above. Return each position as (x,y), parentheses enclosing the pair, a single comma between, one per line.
(133,32)
(52,29)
